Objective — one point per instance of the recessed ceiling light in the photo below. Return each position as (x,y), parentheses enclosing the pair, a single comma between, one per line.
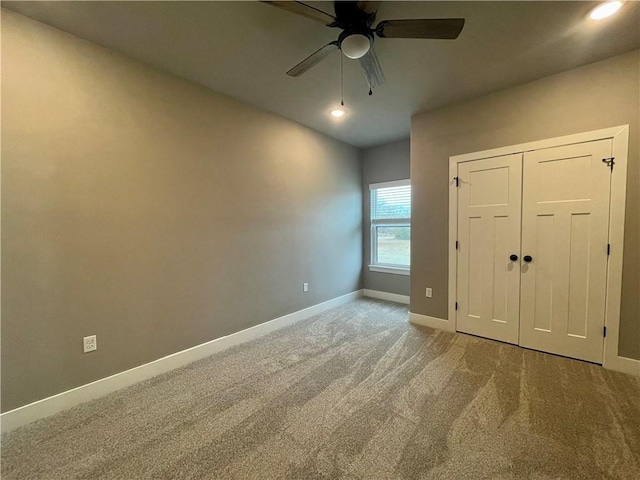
(605,10)
(338,112)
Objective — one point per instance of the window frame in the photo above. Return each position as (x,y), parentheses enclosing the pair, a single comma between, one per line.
(374,265)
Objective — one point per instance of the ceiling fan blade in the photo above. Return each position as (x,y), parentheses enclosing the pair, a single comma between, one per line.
(439,28)
(313,59)
(305,10)
(372,69)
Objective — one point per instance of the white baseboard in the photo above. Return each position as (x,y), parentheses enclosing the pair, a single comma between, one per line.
(433,322)
(65,400)
(623,364)
(391,297)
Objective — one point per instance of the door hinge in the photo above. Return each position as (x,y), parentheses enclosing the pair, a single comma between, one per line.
(610,161)
(456,305)
(456,244)
(604,332)
(457,180)
(608,249)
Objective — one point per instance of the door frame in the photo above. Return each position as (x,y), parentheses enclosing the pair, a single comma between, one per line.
(620,137)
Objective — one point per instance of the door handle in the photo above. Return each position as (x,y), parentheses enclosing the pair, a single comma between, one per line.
(527,258)
(513,257)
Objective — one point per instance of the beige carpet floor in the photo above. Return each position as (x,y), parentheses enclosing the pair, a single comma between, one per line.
(354,393)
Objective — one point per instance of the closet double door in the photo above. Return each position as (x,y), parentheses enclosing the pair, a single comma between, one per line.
(532,248)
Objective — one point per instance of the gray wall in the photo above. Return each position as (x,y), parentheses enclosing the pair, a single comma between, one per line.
(383,163)
(599,95)
(152,212)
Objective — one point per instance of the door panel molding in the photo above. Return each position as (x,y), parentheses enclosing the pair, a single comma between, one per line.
(620,136)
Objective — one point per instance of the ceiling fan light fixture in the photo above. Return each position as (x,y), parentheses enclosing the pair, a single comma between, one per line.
(337,112)
(605,10)
(355,45)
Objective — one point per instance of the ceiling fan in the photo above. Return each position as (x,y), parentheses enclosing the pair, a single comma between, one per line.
(356,40)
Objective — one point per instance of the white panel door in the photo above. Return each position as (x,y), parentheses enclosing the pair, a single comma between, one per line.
(489,203)
(565,218)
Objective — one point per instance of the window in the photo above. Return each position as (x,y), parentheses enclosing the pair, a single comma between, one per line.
(391,227)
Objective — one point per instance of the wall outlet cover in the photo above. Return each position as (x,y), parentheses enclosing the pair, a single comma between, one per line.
(90,343)
(305,287)
(429,292)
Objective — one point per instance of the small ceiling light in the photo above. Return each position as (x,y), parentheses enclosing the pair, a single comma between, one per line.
(355,46)
(338,112)
(605,10)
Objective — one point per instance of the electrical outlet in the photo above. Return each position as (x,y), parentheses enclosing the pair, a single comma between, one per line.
(428,292)
(90,343)
(305,287)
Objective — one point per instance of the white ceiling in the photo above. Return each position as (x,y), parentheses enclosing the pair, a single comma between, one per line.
(243,49)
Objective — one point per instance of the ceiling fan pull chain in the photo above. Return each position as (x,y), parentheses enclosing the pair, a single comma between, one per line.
(341,83)
(370,91)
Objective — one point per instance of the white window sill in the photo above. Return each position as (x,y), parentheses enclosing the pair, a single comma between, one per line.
(395,270)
